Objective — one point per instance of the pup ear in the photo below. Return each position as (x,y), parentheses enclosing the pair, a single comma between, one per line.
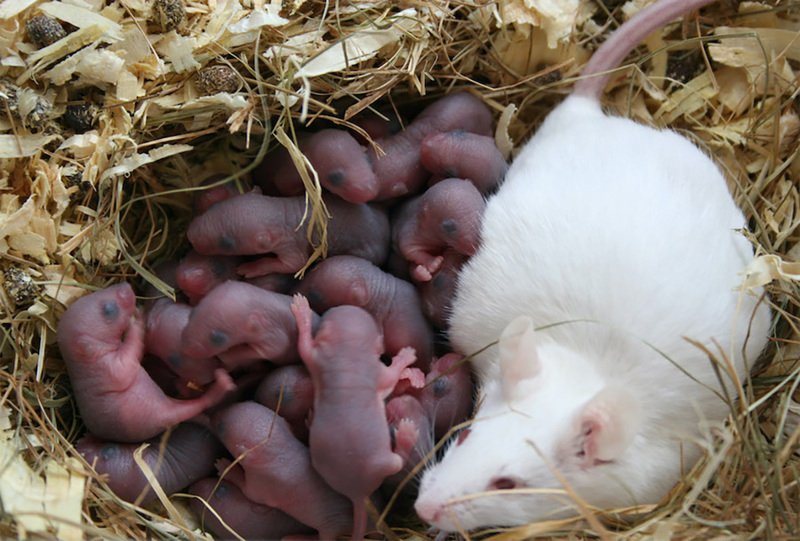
(607,425)
(518,358)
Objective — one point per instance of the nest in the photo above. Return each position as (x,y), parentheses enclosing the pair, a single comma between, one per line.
(112,112)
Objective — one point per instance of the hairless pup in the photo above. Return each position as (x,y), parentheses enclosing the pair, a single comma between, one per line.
(205,198)
(101,337)
(241,324)
(447,395)
(459,154)
(248,519)
(437,293)
(394,303)
(289,392)
(341,164)
(399,169)
(197,274)
(166,320)
(274,468)
(412,431)
(349,435)
(254,224)
(279,283)
(446,215)
(178,458)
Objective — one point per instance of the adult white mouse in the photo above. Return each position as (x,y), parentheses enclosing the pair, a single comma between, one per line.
(616,241)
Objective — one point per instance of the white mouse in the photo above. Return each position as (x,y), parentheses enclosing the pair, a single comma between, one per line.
(616,241)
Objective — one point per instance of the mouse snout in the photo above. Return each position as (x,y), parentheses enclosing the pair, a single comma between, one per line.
(428,511)
(447,516)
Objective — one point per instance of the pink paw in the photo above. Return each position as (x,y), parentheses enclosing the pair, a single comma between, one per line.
(414,376)
(424,272)
(405,438)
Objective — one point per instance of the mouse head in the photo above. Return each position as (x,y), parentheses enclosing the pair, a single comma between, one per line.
(547,416)
(348,328)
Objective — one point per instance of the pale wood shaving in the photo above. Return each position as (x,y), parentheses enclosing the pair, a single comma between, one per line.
(42,503)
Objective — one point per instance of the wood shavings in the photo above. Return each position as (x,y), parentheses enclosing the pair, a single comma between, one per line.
(46,503)
(360,46)
(91,65)
(766,268)
(735,90)
(258,19)
(138,160)
(102,247)
(501,136)
(689,100)
(556,19)
(83,17)
(58,285)
(179,52)
(22,145)
(70,44)
(12,8)
(741,47)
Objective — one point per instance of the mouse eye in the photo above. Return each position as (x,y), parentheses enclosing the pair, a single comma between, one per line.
(502,483)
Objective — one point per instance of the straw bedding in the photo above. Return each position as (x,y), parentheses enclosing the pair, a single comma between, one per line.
(109,119)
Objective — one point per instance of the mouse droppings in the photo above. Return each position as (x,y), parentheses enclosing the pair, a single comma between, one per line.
(80,117)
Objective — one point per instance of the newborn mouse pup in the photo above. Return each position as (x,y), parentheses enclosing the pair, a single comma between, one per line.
(101,337)
(617,242)
(349,436)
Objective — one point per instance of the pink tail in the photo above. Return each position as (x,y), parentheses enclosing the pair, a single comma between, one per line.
(623,40)
(359,521)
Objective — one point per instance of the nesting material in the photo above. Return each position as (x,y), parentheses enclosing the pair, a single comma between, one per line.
(105,132)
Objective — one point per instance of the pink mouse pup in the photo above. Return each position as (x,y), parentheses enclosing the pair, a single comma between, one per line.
(446,215)
(349,435)
(233,513)
(254,224)
(337,157)
(197,274)
(273,468)
(447,395)
(437,293)
(394,303)
(177,458)
(210,195)
(101,337)
(289,392)
(166,320)
(399,168)
(411,431)
(241,324)
(459,154)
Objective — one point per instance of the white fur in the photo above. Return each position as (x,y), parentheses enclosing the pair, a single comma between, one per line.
(627,237)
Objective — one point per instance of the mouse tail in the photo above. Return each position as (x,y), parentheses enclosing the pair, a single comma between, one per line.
(359,521)
(622,41)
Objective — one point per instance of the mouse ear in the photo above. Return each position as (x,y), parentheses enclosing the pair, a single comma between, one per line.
(518,357)
(607,425)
